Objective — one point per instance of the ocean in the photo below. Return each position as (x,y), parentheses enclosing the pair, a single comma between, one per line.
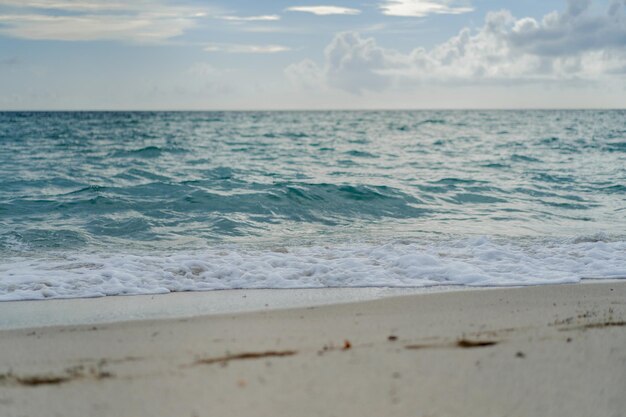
(111,203)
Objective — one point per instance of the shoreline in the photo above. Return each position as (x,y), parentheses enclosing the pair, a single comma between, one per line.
(549,351)
(178,305)
(25,314)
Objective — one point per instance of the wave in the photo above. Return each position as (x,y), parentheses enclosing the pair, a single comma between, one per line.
(477,261)
(145,152)
(319,203)
(135,194)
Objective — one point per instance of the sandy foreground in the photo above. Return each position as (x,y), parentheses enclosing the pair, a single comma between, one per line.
(539,351)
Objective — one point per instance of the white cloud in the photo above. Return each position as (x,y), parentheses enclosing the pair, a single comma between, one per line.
(139,21)
(572,46)
(234,48)
(305,74)
(84,5)
(262,18)
(266,28)
(353,62)
(324,10)
(421,8)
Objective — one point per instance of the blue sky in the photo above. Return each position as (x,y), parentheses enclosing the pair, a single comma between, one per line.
(243,54)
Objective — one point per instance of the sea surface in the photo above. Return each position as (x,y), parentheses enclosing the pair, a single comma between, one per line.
(108,203)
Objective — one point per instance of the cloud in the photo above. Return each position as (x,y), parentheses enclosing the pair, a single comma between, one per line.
(138,21)
(571,46)
(262,18)
(264,28)
(306,74)
(324,10)
(572,32)
(84,5)
(421,8)
(353,62)
(234,48)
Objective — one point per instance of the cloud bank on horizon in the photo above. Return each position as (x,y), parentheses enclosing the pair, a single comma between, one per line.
(393,53)
(574,45)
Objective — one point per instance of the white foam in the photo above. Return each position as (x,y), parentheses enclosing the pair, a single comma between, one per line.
(480,261)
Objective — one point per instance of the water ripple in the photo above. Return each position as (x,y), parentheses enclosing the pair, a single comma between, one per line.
(206,177)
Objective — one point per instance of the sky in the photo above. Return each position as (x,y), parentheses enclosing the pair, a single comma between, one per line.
(290,54)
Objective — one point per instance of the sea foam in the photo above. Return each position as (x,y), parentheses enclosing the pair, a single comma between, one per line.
(475,261)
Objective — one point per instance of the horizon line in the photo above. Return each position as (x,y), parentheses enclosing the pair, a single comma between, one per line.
(139,110)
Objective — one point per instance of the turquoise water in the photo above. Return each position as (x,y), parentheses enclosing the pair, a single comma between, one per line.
(82,193)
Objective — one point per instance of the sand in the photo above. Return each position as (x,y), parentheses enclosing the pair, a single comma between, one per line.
(538,351)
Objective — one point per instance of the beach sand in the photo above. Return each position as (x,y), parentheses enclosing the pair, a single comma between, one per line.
(536,351)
